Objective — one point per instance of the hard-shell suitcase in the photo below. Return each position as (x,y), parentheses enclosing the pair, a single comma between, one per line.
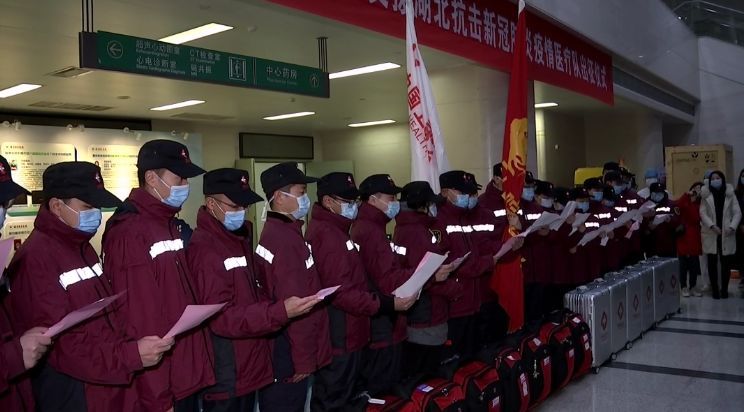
(666,286)
(593,304)
(647,294)
(671,266)
(634,318)
(618,287)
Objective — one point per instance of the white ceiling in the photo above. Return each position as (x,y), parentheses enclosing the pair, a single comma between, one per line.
(38,37)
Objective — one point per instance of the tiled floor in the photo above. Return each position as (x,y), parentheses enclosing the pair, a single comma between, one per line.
(685,365)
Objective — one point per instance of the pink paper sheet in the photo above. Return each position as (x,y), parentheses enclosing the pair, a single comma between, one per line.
(75,317)
(324,293)
(192,317)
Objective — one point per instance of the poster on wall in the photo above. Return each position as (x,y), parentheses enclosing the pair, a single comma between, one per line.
(29,160)
(118,165)
(18,228)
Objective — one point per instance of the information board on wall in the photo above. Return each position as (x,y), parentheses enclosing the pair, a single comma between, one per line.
(18,228)
(118,165)
(29,160)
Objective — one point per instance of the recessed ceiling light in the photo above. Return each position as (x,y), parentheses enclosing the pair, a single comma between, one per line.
(375,123)
(196,33)
(289,115)
(364,70)
(544,105)
(177,105)
(18,89)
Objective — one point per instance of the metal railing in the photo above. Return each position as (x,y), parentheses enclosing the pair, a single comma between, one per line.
(722,19)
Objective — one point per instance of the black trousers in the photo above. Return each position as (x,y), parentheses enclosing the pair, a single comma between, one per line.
(336,384)
(284,397)
(534,301)
(726,265)
(689,267)
(421,359)
(381,369)
(463,334)
(244,403)
(492,323)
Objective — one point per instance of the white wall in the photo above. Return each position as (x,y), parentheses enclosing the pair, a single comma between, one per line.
(644,32)
(471,101)
(636,138)
(720,115)
(561,146)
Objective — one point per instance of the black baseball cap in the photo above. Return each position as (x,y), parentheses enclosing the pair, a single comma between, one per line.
(561,195)
(459,180)
(233,183)
(593,183)
(338,184)
(167,154)
(80,180)
(281,175)
(529,178)
(613,176)
(578,193)
(615,166)
(381,183)
(544,188)
(657,188)
(498,169)
(9,189)
(420,192)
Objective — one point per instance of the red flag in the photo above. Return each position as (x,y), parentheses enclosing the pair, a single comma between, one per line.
(507,280)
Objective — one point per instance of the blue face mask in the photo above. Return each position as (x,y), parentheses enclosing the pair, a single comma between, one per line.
(546,202)
(583,206)
(88,220)
(303,205)
(462,201)
(716,184)
(657,197)
(433,210)
(597,196)
(528,194)
(177,196)
(618,189)
(472,202)
(609,204)
(349,210)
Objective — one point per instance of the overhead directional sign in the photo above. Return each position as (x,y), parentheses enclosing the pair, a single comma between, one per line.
(128,54)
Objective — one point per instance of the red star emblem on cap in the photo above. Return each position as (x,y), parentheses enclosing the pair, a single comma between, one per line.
(185,156)
(99,181)
(244,182)
(2,169)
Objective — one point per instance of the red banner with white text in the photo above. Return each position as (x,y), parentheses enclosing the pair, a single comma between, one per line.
(482,31)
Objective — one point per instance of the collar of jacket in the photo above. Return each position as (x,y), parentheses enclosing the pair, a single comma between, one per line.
(147,204)
(280,219)
(412,217)
(372,214)
(448,210)
(205,220)
(321,214)
(49,224)
(493,191)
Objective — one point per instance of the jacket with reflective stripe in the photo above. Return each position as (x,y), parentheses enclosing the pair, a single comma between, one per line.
(470,275)
(339,263)
(415,231)
(15,391)
(383,269)
(291,271)
(54,272)
(662,239)
(492,199)
(159,287)
(222,265)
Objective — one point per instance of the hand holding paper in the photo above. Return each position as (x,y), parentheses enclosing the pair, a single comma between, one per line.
(457,262)
(428,266)
(296,307)
(75,317)
(545,220)
(589,236)
(581,218)
(659,219)
(192,317)
(567,211)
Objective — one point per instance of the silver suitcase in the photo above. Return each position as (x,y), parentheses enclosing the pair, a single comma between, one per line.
(593,304)
(674,295)
(647,294)
(618,310)
(661,287)
(635,304)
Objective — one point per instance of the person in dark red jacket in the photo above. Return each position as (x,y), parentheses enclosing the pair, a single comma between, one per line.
(601,216)
(578,258)
(562,258)
(16,354)
(454,219)
(56,271)
(529,210)
(661,231)
(351,307)
(615,248)
(689,241)
(144,255)
(287,268)
(427,319)
(220,257)
(382,360)
(493,200)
